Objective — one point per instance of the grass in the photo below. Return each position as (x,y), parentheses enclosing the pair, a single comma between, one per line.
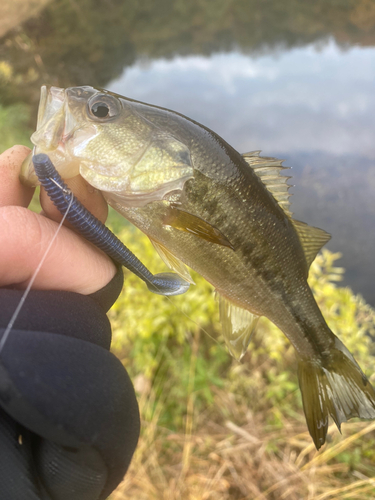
(228,452)
(216,429)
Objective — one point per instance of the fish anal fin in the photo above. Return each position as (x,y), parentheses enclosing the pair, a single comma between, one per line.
(311,238)
(172,261)
(238,325)
(185,221)
(336,387)
(269,171)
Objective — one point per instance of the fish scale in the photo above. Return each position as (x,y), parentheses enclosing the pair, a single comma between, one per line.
(223,214)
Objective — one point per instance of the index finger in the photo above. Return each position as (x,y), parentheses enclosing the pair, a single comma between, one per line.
(91,198)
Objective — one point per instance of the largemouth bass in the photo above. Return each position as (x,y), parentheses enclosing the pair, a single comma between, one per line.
(224,214)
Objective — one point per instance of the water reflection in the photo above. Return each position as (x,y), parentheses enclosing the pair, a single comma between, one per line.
(299,100)
(292,79)
(312,107)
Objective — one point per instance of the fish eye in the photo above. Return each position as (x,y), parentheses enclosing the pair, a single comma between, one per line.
(103,107)
(100,109)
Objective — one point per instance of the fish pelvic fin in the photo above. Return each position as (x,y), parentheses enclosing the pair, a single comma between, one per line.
(334,386)
(172,261)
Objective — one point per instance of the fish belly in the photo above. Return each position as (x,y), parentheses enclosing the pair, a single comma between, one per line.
(255,282)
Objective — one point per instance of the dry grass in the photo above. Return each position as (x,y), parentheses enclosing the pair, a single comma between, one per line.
(248,440)
(229,453)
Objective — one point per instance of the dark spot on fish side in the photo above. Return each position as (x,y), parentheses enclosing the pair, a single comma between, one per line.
(247,249)
(268,275)
(211,209)
(203,190)
(258,261)
(262,266)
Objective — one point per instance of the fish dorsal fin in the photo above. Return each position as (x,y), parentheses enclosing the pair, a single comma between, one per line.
(312,239)
(172,261)
(238,326)
(269,171)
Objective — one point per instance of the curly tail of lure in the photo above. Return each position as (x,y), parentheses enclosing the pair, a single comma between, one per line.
(97,233)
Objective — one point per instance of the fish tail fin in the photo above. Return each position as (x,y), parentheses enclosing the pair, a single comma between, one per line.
(334,385)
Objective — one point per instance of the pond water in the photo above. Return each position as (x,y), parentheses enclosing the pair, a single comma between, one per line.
(296,83)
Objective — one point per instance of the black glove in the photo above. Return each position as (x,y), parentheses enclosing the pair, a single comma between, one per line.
(69,420)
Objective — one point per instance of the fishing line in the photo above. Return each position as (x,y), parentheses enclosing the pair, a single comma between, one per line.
(31,282)
(93,230)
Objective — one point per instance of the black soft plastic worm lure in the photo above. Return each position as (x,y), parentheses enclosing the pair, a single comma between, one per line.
(97,233)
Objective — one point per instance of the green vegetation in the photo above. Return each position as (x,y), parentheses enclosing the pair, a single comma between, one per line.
(14,126)
(216,429)
(15,118)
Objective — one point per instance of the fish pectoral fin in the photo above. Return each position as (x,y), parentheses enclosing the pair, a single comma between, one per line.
(238,326)
(184,221)
(172,261)
(311,238)
(334,386)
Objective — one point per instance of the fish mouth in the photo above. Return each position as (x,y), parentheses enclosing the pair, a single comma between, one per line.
(51,100)
(55,125)
(47,96)
(51,119)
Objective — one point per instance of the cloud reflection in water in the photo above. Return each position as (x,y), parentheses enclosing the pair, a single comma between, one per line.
(313,106)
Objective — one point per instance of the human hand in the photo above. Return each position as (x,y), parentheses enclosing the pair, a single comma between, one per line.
(69,419)
(72,263)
